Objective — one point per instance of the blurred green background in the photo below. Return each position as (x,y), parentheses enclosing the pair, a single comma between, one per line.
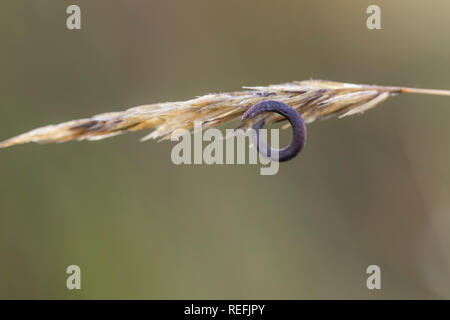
(370,189)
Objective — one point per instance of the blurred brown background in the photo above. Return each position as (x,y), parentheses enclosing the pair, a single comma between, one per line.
(370,189)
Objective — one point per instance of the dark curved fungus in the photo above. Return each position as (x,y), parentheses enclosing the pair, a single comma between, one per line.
(298,129)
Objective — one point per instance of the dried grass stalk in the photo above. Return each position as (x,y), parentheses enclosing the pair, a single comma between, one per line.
(314,99)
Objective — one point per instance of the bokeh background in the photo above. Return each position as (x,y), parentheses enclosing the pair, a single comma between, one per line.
(370,189)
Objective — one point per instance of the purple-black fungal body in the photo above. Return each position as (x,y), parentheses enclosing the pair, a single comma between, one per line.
(298,129)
